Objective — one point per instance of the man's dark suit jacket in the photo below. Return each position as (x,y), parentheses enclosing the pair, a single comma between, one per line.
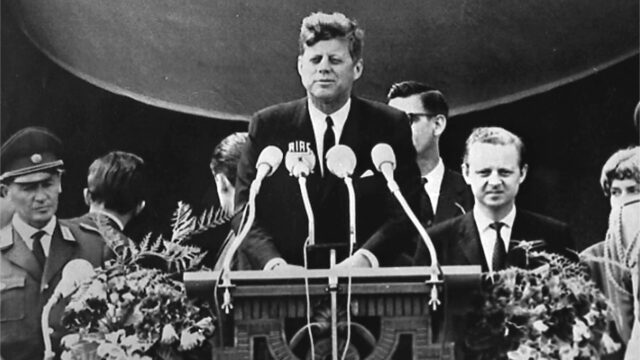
(455,198)
(457,241)
(280,228)
(26,286)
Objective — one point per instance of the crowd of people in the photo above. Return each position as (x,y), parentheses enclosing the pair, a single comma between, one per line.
(471,216)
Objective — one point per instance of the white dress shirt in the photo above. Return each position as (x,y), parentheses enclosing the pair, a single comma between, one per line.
(488,235)
(319,123)
(26,231)
(434,182)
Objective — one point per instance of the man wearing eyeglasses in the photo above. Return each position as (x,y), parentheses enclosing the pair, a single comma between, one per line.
(445,195)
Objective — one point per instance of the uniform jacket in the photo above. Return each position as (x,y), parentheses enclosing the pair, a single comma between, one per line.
(26,287)
(280,228)
(457,241)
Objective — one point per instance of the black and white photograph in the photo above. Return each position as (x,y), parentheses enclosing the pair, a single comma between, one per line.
(409,179)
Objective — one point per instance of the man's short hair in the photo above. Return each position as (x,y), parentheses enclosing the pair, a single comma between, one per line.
(496,136)
(322,26)
(226,155)
(432,99)
(117,180)
(622,165)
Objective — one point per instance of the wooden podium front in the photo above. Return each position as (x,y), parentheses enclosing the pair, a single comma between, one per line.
(390,314)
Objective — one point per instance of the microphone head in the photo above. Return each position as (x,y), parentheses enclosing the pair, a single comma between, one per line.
(341,160)
(300,163)
(383,154)
(74,272)
(272,156)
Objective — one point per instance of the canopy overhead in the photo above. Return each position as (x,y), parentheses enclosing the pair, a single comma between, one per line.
(227,59)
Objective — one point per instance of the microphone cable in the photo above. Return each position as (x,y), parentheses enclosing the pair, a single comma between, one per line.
(308,298)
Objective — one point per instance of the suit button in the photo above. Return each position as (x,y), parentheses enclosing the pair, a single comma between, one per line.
(45,286)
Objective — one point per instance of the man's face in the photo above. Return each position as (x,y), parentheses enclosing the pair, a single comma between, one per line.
(35,202)
(494,175)
(327,70)
(423,127)
(623,191)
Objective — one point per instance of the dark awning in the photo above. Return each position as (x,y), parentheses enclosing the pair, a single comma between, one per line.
(227,59)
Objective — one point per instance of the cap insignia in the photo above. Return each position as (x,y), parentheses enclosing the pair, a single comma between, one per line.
(36,158)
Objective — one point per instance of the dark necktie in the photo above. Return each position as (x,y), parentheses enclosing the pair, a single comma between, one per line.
(426,210)
(499,252)
(328,142)
(38,251)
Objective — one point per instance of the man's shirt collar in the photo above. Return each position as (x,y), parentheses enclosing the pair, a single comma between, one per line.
(483,222)
(26,231)
(339,117)
(434,178)
(110,216)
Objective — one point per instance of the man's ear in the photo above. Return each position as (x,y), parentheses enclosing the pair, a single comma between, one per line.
(523,172)
(87,196)
(358,68)
(440,123)
(464,168)
(139,208)
(4,190)
(299,65)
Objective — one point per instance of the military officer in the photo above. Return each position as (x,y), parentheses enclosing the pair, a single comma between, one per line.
(35,245)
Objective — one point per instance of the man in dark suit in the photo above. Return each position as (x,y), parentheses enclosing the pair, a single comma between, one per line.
(35,246)
(115,194)
(329,62)
(445,195)
(495,234)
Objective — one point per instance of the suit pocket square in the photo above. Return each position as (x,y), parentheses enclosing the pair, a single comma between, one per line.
(366,174)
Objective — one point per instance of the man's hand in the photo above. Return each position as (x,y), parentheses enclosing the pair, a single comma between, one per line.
(288,268)
(356,260)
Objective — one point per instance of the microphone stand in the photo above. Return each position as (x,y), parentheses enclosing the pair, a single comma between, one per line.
(433,278)
(302,181)
(49,354)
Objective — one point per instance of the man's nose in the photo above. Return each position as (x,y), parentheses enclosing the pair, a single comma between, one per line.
(324,64)
(41,194)
(494,179)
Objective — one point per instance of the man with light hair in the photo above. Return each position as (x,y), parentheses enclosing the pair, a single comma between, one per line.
(493,233)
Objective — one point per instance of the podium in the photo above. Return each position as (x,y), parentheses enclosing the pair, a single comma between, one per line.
(385,312)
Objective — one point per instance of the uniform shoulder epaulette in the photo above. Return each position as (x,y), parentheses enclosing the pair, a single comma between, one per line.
(66,233)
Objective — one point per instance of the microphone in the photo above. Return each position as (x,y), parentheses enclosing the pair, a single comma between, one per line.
(300,164)
(385,162)
(341,161)
(268,162)
(74,273)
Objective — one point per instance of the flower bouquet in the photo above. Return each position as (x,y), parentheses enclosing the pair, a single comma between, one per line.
(551,312)
(128,310)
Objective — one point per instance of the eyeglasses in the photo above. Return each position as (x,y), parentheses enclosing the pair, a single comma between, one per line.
(415,117)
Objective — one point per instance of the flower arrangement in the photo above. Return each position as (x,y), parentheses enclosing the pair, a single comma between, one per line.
(551,312)
(128,310)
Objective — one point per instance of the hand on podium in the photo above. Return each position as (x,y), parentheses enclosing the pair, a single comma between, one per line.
(357,260)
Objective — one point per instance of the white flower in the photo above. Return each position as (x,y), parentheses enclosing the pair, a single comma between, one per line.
(524,352)
(608,344)
(540,326)
(111,352)
(567,352)
(115,336)
(580,331)
(189,340)
(169,334)
(206,324)
(69,340)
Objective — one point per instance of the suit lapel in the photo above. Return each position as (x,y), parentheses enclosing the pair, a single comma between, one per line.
(60,252)
(449,195)
(469,242)
(303,130)
(22,256)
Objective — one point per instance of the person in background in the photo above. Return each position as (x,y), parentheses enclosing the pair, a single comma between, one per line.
(36,245)
(330,61)
(610,262)
(115,194)
(223,165)
(444,195)
(493,234)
